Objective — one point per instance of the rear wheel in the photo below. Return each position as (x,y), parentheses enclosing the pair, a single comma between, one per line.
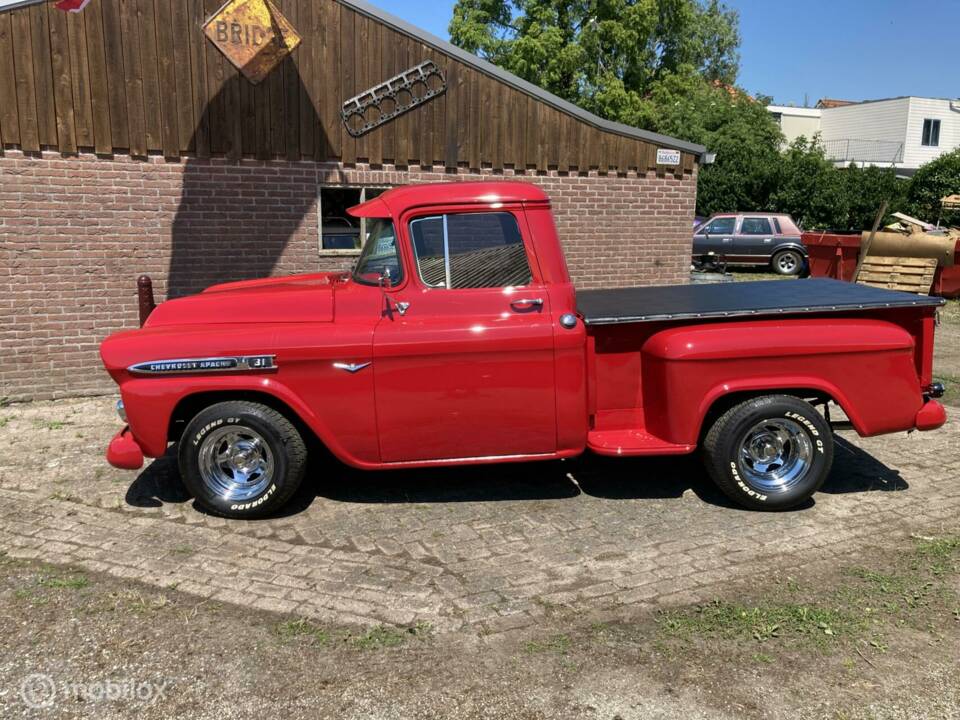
(769,453)
(787,262)
(241,459)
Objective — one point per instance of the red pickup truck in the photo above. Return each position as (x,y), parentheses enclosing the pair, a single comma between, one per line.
(458,338)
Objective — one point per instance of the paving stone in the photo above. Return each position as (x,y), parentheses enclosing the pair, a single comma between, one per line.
(455,554)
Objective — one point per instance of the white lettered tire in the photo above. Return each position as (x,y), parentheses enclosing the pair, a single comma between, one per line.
(769,453)
(241,459)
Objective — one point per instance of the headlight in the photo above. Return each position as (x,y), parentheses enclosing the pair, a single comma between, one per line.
(121,411)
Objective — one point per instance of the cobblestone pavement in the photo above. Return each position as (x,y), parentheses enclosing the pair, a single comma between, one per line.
(480,550)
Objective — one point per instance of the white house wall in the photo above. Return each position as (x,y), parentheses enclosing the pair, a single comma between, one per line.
(915,154)
(883,120)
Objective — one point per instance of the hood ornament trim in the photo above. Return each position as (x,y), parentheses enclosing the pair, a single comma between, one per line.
(351,367)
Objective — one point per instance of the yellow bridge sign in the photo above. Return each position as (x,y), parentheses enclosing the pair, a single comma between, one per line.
(253,35)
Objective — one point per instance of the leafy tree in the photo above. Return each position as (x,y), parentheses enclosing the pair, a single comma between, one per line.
(866,190)
(810,188)
(932,182)
(604,55)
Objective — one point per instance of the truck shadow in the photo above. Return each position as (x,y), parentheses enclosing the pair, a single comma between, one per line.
(660,478)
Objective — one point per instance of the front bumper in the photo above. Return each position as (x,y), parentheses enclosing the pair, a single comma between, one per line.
(124,452)
(931,416)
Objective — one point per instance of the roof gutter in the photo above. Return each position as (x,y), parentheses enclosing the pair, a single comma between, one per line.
(362,6)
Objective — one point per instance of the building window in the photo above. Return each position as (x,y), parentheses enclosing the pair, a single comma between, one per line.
(931,133)
(341,234)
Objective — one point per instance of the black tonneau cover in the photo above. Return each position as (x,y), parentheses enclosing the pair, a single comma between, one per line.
(738,299)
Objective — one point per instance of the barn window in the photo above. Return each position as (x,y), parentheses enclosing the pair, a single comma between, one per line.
(341,234)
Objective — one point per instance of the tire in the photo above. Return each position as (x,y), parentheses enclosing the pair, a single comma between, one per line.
(769,453)
(787,262)
(246,441)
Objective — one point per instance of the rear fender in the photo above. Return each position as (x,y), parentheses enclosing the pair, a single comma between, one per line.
(865,365)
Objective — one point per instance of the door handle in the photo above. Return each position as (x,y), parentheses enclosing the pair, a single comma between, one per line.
(727,240)
(526,302)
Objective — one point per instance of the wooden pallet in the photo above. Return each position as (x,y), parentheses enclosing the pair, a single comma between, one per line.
(913,275)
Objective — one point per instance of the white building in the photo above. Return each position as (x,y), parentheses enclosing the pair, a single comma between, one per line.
(903,132)
(796,121)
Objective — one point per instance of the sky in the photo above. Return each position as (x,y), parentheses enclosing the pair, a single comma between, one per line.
(792,50)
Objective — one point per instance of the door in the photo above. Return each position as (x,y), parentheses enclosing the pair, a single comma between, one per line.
(467,369)
(715,237)
(755,237)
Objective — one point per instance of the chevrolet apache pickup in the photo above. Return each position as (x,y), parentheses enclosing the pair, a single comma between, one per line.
(458,338)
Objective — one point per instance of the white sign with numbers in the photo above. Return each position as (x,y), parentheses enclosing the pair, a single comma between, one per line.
(668,157)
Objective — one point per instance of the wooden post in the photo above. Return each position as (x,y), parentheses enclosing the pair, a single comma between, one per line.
(145,299)
(865,248)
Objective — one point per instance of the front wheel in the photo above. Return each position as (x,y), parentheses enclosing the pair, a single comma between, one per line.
(241,459)
(769,453)
(787,262)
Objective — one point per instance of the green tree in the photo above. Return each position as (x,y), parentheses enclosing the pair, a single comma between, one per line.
(810,188)
(932,182)
(867,188)
(604,55)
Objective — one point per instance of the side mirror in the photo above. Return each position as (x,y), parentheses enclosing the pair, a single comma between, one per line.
(386,282)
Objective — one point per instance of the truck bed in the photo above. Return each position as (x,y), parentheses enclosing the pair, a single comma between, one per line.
(740,299)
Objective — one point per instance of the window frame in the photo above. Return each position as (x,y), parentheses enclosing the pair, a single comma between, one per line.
(764,218)
(514,211)
(927,136)
(732,231)
(344,252)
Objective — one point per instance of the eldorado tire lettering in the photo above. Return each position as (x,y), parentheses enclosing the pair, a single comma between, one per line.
(743,486)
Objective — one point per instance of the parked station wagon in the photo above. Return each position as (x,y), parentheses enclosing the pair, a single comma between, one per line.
(750,239)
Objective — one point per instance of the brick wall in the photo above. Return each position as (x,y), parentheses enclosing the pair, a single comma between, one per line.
(76,232)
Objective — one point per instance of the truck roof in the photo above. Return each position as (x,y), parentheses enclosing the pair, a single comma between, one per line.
(396,201)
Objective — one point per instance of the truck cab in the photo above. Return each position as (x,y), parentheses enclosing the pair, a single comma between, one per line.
(459,338)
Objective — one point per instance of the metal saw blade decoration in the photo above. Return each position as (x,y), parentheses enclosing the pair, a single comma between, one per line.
(382,103)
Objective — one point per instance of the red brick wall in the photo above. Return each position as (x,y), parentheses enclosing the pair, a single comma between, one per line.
(76,232)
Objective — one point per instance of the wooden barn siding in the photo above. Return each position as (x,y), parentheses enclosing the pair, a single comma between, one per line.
(139,77)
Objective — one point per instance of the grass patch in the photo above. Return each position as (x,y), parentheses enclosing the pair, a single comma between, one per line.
(557,644)
(379,637)
(866,606)
(951,387)
(51,424)
(72,581)
(760,622)
(302,628)
(3,421)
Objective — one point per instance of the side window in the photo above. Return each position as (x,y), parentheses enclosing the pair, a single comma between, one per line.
(776,224)
(721,226)
(755,226)
(470,250)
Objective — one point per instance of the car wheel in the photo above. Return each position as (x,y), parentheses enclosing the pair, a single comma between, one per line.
(241,459)
(769,453)
(787,262)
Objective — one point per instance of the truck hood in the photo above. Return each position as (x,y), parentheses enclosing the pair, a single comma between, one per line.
(297,298)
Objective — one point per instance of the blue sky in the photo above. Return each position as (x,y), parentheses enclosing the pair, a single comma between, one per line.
(850,49)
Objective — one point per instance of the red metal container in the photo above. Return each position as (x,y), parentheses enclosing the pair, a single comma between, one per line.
(835,255)
(832,255)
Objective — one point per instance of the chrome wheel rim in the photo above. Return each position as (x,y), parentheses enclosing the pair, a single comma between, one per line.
(236,463)
(774,455)
(787,262)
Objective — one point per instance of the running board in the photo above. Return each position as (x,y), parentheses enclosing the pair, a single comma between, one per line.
(633,441)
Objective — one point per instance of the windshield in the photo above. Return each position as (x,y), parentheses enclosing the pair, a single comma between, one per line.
(379,257)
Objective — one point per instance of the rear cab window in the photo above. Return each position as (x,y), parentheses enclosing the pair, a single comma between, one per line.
(469,250)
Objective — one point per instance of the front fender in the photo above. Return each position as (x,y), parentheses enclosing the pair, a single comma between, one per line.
(866,366)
